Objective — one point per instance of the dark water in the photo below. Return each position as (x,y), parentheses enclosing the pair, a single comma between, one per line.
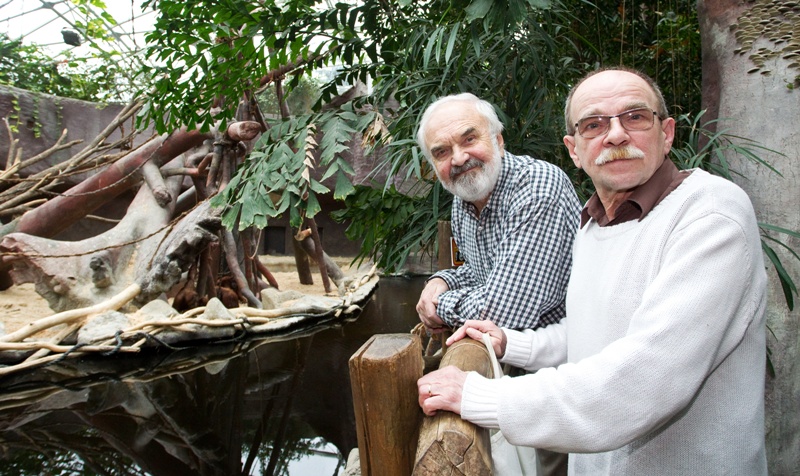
(271,406)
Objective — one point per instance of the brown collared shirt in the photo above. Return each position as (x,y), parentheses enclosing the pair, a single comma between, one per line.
(643,199)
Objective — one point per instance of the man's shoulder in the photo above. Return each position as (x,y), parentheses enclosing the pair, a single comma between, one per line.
(714,188)
(525,175)
(703,194)
(527,168)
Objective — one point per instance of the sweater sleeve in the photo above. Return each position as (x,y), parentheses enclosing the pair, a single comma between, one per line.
(479,400)
(536,349)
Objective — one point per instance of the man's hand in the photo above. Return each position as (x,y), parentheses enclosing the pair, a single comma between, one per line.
(441,390)
(476,329)
(428,301)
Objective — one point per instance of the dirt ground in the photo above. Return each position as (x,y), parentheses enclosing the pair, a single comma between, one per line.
(20,304)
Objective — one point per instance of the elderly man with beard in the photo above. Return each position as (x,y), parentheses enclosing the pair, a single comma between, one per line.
(659,366)
(513,217)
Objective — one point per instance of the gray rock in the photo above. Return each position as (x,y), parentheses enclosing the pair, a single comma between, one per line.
(157,309)
(272,298)
(103,327)
(216,310)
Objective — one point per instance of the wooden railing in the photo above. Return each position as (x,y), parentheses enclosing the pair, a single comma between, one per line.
(394,436)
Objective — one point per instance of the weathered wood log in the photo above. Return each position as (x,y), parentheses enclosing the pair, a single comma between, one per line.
(383,376)
(319,254)
(60,212)
(332,270)
(68,316)
(449,445)
(244,130)
(154,180)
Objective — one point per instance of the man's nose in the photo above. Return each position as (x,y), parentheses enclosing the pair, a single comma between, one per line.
(616,134)
(460,156)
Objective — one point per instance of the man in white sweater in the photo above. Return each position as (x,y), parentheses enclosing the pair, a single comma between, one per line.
(658,368)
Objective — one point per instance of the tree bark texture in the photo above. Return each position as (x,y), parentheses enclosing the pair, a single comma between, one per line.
(447,444)
(751,66)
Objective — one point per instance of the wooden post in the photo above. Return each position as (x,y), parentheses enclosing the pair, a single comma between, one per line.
(448,256)
(383,376)
(449,445)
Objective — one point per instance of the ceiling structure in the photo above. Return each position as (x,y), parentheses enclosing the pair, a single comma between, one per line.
(52,24)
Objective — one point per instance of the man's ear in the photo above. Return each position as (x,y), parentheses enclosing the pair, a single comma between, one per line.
(500,141)
(569,141)
(668,127)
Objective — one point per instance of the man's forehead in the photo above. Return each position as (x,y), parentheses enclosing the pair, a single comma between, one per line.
(455,123)
(623,89)
(451,110)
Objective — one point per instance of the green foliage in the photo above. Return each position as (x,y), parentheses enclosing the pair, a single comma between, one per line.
(300,99)
(209,53)
(100,77)
(277,175)
(707,147)
(389,222)
(660,38)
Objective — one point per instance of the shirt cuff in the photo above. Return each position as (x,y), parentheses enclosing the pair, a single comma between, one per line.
(518,348)
(533,350)
(479,400)
(448,276)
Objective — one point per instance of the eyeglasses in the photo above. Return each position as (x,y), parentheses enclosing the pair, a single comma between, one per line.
(640,119)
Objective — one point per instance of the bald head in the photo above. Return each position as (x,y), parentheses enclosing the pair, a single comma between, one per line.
(661,105)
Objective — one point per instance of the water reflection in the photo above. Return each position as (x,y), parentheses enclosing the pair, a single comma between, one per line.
(258,407)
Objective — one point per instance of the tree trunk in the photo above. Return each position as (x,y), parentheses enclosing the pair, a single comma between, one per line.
(750,71)
(386,409)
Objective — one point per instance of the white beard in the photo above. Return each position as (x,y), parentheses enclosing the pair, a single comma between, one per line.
(475,186)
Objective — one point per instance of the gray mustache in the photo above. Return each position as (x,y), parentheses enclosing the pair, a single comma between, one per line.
(468,165)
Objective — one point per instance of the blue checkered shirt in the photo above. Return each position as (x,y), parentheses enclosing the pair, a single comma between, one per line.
(517,253)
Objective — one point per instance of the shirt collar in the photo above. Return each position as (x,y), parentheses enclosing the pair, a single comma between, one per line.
(643,199)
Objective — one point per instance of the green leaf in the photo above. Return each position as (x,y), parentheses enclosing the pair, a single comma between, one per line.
(785,231)
(318,187)
(478,9)
(344,187)
(787,285)
(451,42)
(312,206)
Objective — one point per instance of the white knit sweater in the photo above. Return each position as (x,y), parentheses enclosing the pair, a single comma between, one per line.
(664,342)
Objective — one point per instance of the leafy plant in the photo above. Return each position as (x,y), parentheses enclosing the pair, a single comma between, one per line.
(277,176)
(706,147)
(100,77)
(299,99)
(391,224)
